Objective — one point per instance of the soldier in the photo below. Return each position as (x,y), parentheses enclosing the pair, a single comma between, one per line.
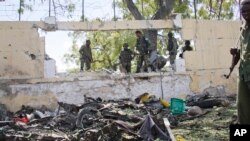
(126,58)
(187,47)
(172,47)
(244,70)
(142,46)
(86,55)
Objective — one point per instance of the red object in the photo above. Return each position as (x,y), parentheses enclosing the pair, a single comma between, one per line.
(21,119)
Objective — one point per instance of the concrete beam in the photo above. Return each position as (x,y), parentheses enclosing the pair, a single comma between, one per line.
(91,26)
(109,25)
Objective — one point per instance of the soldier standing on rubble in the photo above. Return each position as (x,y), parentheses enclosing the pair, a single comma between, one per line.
(142,46)
(125,59)
(86,56)
(172,48)
(244,70)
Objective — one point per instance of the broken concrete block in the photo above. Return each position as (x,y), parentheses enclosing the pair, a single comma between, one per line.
(194,111)
(219,90)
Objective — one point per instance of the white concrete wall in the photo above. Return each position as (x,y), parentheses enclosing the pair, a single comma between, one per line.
(213,40)
(73,91)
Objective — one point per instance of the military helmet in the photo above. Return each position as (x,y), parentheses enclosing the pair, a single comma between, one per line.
(137,32)
(245,9)
(170,34)
(187,42)
(125,45)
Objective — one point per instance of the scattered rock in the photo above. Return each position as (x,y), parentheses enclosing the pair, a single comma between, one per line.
(4,114)
(215,91)
(194,111)
(209,99)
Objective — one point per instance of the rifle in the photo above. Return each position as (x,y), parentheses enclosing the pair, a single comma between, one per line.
(235,52)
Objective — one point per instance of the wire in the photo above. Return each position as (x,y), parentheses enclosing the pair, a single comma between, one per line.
(9,17)
(9,10)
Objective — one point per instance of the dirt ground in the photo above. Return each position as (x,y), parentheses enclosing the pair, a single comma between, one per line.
(214,126)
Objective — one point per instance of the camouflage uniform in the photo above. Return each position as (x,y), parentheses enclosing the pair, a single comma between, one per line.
(142,46)
(86,57)
(244,82)
(172,48)
(125,60)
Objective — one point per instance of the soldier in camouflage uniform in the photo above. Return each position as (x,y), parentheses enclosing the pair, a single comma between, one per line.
(142,46)
(172,47)
(125,59)
(86,55)
(243,101)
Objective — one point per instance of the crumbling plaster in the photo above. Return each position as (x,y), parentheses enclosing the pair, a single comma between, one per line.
(73,91)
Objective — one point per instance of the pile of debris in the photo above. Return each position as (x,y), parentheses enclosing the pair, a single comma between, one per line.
(94,120)
(98,120)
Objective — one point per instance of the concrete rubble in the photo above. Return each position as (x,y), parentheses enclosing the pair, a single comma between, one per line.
(110,120)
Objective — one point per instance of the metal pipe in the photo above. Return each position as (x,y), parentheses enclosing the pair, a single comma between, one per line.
(114,10)
(20,10)
(49,8)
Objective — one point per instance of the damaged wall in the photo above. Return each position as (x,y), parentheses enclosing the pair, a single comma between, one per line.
(211,58)
(212,78)
(205,67)
(21,51)
(72,89)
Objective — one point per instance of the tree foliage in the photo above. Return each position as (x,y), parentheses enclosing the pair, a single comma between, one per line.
(24,6)
(108,46)
(65,9)
(219,9)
